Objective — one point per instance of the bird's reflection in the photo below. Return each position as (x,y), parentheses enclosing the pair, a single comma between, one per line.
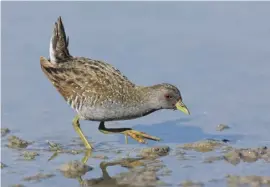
(107,180)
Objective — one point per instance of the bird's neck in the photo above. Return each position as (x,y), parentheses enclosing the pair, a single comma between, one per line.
(149,96)
(139,101)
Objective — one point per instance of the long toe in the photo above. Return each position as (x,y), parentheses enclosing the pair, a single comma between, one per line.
(140,136)
(147,136)
(135,136)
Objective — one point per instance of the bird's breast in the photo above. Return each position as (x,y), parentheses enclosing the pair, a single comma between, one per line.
(113,112)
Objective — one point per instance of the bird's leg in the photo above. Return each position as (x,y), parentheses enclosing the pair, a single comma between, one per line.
(87,154)
(136,135)
(77,128)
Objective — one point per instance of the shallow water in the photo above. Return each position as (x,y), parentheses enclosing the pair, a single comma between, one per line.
(216,53)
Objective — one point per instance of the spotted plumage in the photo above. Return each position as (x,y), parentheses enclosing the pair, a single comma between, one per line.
(100,92)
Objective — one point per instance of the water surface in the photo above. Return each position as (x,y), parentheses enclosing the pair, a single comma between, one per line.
(217,53)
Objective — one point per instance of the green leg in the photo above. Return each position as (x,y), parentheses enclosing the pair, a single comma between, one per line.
(77,128)
(136,135)
(80,180)
(87,154)
(84,160)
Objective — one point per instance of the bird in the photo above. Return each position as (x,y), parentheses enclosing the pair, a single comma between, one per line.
(98,91)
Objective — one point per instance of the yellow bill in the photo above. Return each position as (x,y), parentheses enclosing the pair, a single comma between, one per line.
(182,107)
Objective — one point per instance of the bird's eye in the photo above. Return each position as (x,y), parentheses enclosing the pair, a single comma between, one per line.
(168,96)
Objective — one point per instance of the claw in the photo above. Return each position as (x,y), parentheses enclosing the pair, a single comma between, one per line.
(140,136)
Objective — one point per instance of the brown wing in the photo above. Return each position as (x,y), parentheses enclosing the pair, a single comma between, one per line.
(86,78)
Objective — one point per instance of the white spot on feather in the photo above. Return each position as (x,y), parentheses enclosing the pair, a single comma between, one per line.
(52,52)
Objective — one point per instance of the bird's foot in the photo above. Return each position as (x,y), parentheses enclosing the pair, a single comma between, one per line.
(139,136)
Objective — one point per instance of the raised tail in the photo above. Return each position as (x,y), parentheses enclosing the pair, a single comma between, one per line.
(59,43)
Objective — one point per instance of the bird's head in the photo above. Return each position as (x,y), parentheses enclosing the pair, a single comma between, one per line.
(169,97)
